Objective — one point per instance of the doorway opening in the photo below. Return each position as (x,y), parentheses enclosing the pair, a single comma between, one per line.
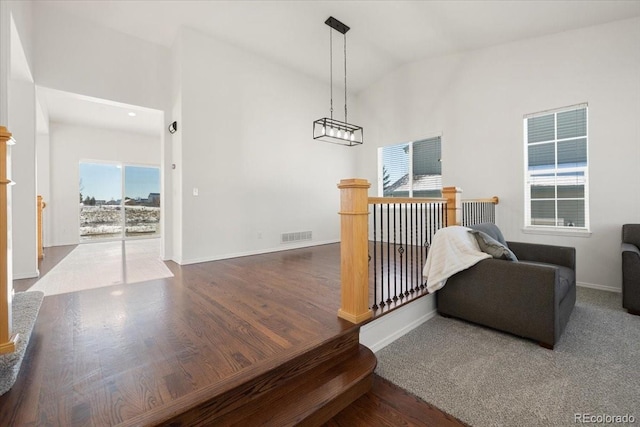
(118,201)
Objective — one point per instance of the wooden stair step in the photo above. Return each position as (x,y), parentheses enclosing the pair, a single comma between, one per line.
(312,398)
(261,383)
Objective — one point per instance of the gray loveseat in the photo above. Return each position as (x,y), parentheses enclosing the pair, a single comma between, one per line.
(532,297)
(631,268)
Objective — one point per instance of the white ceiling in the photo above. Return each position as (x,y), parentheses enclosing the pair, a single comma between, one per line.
(65,107)
(384,35)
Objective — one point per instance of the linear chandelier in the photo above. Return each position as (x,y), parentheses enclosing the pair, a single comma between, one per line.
(329,129)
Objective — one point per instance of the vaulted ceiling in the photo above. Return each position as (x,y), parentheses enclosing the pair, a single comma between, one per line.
(384,35)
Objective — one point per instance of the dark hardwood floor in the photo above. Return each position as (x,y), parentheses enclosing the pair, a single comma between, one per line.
(388,405)
(125,353)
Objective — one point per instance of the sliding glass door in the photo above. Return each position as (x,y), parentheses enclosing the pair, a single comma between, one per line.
(118,201)
(142,201)
(100,201)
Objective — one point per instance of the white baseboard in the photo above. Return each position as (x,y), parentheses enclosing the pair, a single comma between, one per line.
(30,275)
(280,248)
(599,287)
(383,331)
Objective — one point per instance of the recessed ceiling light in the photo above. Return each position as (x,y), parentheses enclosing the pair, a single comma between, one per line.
(132,114)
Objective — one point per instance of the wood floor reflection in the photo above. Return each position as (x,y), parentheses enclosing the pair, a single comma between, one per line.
(129,355)
(103,356)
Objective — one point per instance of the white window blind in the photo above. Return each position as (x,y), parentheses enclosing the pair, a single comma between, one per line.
(411,169)
(556,157)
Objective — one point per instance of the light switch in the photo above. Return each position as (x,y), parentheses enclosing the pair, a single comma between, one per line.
(195,191)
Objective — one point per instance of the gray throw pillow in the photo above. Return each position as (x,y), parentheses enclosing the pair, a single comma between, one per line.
(492,247)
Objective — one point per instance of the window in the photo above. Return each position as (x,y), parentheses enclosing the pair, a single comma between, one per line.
(411,169)
(556,169)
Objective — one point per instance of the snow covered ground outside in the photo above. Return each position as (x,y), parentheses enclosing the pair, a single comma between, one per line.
(106,221)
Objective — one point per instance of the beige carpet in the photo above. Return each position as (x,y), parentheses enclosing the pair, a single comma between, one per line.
(487,378)
(94,265)
(25,307)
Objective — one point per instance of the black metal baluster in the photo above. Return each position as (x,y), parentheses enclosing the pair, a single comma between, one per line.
(395,250)
(465,214)
(406,242)
(381,259)
(413,246)
(375,262)
(401,248)
(421,237)
(416,234)
(476,213)
(388,256)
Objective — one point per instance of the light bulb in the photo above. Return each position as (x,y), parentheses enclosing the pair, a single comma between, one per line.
(324,130)
(330,131)
(339,133)
(353,136)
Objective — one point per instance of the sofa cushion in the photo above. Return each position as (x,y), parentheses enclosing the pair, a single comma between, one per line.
(491,229)
(493,247)
(567,278)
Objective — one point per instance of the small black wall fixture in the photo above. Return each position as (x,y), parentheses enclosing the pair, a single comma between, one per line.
(173,127)
(329,129)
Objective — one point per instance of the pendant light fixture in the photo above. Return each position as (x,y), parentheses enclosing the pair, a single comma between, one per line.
(329,129)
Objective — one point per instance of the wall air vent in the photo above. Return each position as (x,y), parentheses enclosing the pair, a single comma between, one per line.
(296,236)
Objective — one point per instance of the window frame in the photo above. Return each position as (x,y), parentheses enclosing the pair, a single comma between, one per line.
(556,170)
(380,177)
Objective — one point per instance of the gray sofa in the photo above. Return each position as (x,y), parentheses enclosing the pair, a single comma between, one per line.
(631,268)
(532,297)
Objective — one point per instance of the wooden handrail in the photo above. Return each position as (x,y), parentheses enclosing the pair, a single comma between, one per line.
(7,340)
(409,200)
(495,200)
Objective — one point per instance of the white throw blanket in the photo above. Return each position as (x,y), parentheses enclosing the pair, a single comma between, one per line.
(453,249)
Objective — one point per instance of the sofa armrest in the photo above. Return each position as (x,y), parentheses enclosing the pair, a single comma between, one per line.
(631,234)
(559,255)
(515,297)
(628,247)
(630,277)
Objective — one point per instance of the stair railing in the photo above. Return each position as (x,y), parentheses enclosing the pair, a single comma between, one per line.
(400,233)
(385,240)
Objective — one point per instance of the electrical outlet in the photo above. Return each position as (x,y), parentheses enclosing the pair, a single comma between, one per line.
(195,191)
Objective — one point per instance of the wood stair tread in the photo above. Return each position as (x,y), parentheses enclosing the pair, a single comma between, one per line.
(312,398)
(261,383)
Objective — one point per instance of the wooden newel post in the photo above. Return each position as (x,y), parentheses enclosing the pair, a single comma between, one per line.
(7,341)
(354,250)
(454,205)
(40,205)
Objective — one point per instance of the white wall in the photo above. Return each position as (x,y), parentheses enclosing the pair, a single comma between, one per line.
(82,58)
(246,144)
(43,183)
(176,147)
(477,101)
(71,144)
(22,120)
(20,14)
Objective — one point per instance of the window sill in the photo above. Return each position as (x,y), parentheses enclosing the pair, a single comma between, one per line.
(557,232)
